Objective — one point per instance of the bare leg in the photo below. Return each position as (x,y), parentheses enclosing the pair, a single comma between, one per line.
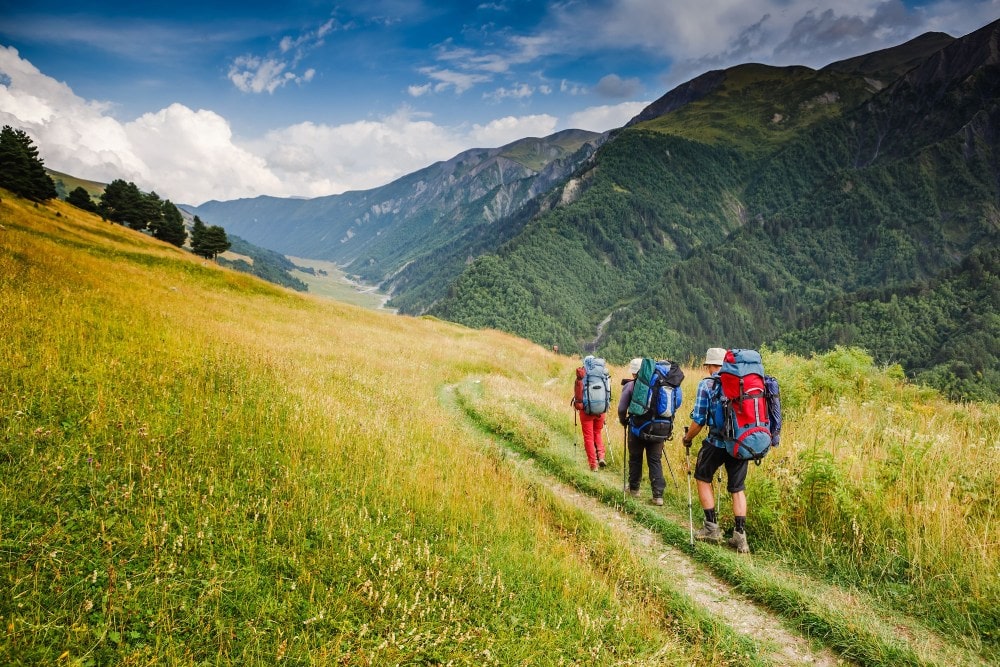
(707,498)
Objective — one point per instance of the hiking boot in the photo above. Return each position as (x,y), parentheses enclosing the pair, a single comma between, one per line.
(601,463)
(709,533)
(593,468)
(739,542)
(657,501)
(632,492)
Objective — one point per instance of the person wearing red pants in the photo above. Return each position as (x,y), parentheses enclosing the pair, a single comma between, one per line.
(591,397)
(593,440)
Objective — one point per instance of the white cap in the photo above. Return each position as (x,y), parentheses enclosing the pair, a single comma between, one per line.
(715,356)
(635,365)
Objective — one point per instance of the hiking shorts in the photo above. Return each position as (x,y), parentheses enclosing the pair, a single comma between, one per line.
(711,458)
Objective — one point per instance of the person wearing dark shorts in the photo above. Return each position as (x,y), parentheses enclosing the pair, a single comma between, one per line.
(712,456)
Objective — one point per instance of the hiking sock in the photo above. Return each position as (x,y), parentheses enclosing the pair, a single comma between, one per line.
(741,524)
(710,515)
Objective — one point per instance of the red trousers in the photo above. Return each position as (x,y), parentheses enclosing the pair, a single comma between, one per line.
(593,440)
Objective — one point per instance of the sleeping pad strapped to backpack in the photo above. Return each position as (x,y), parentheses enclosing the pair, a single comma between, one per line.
(656,395)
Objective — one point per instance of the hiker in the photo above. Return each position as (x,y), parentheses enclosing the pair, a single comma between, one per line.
(592,394)
(638,446)
(712,456)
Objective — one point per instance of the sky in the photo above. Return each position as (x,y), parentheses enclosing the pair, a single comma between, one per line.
(202,100)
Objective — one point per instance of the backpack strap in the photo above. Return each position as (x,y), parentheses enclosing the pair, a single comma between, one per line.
(715,396)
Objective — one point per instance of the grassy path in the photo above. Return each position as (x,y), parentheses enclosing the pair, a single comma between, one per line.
(757,597)
(772,642)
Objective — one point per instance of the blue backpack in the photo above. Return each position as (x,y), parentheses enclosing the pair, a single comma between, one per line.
(656,395)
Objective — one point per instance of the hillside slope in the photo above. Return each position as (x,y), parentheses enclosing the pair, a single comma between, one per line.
(199,467)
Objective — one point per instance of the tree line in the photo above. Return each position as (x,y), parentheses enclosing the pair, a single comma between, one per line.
(22,172)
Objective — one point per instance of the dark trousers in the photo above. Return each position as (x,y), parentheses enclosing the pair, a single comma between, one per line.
(654,460)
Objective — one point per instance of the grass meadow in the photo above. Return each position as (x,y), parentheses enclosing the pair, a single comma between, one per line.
(197,467)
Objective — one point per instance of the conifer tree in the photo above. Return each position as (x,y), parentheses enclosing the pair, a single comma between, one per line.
(80,198)
(213,242)
(197,233)
(150,212)
(21,170)
(169,226)
(122,203)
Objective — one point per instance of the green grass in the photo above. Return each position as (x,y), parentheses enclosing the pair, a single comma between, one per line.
(783,102)
(70,183)
(335,285)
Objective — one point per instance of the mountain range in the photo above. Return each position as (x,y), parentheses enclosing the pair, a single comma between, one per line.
(414,235)
(784,206)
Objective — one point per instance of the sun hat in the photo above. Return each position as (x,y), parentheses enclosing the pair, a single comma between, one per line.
(634,365)
(715,356)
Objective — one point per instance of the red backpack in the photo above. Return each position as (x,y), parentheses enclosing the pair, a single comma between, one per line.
(746,424)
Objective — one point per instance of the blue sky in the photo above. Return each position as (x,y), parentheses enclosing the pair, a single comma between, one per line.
(220,100)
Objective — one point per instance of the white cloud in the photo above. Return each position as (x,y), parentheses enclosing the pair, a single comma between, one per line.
(193,152)
(191,156)
(258,74)
(447,78)
(502,131)
(251,74)
(418,91)
(517,91)
(316,159)
(605,117)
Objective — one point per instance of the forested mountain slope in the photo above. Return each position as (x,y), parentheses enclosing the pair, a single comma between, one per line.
(413,235)
(756,203)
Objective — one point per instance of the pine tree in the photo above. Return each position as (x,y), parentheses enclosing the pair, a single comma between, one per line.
(214,242)
(170,225)
(21,170)
(80,198)
(209,241)
(150,212)
(197,233)
(122,203)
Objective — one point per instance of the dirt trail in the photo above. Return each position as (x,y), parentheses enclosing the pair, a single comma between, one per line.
(846,609)
(779,645)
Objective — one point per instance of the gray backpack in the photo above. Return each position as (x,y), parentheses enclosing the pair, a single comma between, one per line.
(592,392)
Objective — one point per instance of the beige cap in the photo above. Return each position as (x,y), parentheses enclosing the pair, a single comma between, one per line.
(715,356)
(634,365)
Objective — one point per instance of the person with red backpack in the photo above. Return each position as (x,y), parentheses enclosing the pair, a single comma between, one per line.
(713,455)
(591,397)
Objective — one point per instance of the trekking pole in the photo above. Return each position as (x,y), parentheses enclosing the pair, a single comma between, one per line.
(576,429)
(666,458)
(624,462)
(607,439)
(687,464)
